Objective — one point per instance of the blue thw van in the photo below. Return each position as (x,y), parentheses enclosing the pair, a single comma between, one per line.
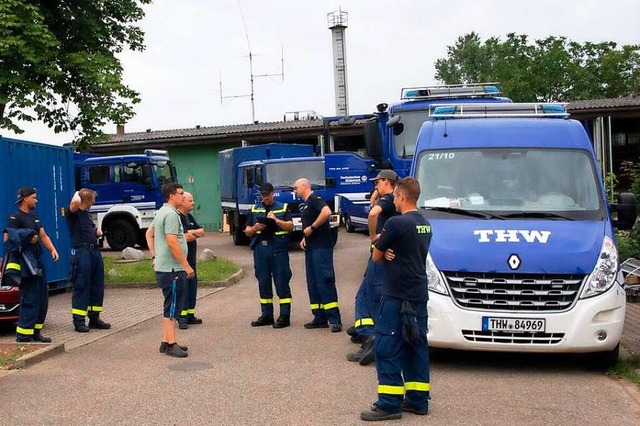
(523,256)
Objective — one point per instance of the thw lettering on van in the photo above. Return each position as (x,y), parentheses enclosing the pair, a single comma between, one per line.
(511,236)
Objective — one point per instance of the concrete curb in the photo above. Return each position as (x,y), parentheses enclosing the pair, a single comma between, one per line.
(47,351)
(226,283)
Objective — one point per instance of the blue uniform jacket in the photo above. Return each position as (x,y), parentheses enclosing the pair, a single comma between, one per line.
(19,244)
(280,236)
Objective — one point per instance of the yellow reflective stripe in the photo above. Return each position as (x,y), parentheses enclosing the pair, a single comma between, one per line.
(283,301)
(280,211)
(315,306)
(95,308)
(364,321)
(79,312)
(391,390)
(191,311)
(265,301)
(26,331)
(282,232)
(331,305)
(258,232)
(39,326)
(256,210)
(15,266)
(183,312)
(417,386)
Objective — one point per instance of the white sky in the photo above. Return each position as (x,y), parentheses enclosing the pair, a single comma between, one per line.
(390,44)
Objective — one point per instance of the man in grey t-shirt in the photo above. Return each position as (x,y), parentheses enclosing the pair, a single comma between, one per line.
(168,247)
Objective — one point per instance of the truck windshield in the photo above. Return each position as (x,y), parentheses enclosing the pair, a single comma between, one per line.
(284,174)
(405,142)
(164,171)
(511,183)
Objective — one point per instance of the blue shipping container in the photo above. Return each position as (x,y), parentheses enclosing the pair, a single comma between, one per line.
(48,168)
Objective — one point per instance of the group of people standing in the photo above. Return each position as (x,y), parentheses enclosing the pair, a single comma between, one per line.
(391,303)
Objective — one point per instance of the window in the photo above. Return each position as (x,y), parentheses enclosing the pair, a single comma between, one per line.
(98,175)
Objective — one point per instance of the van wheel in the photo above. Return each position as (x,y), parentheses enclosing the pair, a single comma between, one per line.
(348,226)
(121,234)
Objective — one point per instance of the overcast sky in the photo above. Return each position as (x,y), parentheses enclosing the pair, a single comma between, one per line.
(390,44)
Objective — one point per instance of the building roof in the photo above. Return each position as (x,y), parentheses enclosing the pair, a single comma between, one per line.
(604,104)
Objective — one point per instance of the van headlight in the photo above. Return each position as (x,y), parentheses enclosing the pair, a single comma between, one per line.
(605,271)
(435,279)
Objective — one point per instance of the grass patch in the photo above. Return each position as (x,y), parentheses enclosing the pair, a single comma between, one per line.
(142,272)
(10,352)
(628,369)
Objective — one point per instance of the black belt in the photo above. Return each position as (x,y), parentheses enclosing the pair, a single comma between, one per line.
(86,246)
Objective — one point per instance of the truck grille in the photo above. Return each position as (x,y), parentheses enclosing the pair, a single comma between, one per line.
(507,337)
(510,292)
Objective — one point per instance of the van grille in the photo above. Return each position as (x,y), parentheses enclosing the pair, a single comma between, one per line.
(517,338)
(516,293)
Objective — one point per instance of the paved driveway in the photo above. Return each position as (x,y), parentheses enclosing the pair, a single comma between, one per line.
(237,374)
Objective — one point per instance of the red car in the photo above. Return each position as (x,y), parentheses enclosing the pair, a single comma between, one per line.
(9,303)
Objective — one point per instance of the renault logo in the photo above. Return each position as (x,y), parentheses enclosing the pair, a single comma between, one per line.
(514,261)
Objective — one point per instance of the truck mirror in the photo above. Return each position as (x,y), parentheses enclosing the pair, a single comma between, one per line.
(626,209)
(398,128)
(330,182)
(372,139)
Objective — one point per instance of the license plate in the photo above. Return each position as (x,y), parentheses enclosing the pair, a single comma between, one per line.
(514,325)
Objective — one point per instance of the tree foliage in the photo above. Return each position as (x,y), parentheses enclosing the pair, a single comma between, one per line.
(551,69)
(58,56)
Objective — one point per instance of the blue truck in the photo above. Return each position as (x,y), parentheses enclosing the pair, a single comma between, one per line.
(49,169)
(242,170)
(523,256)
(390,136)
(129,189)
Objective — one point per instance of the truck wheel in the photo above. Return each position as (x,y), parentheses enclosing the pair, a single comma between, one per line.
(334,234)
(121,234)
(604,360)
(237,232)
(348,226)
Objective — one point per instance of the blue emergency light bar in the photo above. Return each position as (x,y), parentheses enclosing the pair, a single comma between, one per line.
(475,110)
(450,91)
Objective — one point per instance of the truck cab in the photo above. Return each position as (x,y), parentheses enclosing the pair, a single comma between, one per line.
(129,192)
(523,256)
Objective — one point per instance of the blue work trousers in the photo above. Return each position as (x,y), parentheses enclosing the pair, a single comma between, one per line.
(34,303)
(397,359)
(87,272)
(189,309)
(368,301)
(321,285)
(272,267)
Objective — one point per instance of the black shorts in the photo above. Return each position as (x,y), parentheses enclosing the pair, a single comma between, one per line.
(173,285)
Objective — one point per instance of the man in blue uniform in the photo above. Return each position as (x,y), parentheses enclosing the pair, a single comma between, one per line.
(87,268)
(401,351)
(34,296)
(318,258)
(268,225)
(192,231)
(368,296)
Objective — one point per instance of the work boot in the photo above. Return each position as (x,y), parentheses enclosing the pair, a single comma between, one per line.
(357,338)
(282,322)
(351,331)
(311,325)
(81,328)
(262,321)
(376,414)
(24,339)
(164,345)
(410,409)
(191,319)
(182,325)
(368,351)
(355,356)
(99,324)
(175,351)
(38,337)
(336,328)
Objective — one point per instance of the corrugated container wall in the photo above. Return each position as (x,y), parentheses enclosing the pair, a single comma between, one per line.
(48,168)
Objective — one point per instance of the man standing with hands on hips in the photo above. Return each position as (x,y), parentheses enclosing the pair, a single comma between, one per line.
(318,257)
(168,248)
(87,268)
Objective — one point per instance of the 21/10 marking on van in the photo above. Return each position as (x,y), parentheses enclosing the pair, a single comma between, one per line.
(513,325)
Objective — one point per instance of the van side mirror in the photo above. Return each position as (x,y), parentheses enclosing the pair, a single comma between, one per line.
(626,209)
(372,139)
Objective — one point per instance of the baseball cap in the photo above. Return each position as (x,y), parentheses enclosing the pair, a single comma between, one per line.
(386,174)
(24,192)
(266,188)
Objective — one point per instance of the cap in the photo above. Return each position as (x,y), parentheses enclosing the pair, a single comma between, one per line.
(386,174)
(24,192)
(266,188)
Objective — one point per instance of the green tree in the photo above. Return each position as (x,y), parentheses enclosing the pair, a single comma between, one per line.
(551,69)
(58,56)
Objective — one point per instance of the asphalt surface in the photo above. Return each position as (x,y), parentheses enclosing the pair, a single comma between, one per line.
(237,374)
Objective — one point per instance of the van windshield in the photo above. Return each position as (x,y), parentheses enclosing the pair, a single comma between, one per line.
(282,175)
(511,183)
